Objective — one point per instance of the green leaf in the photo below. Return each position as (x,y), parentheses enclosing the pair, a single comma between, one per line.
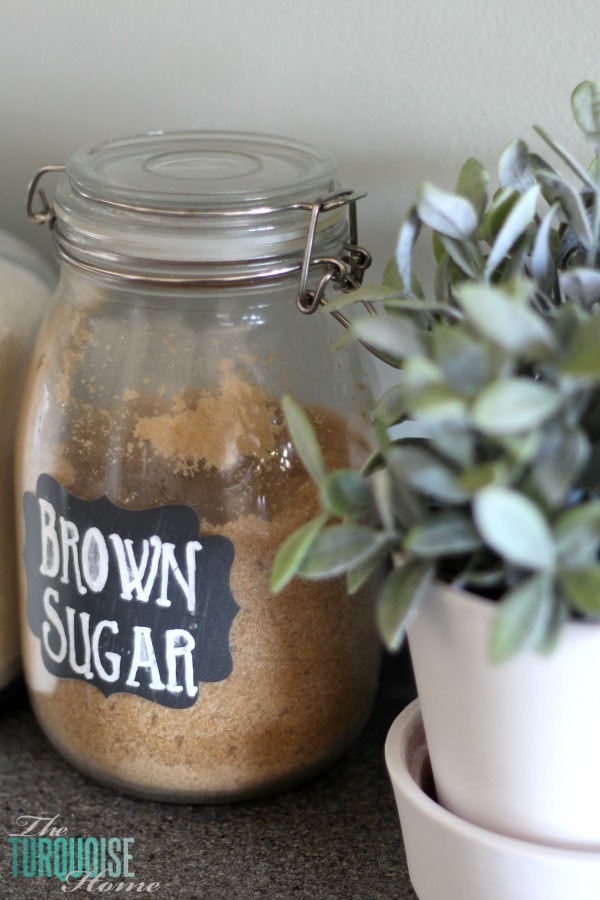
(565,156)
(582,587)
(424,308)
(421,374)
(367,293)
(582,358)
(541,167)
(479,580)
(304,439)
(556,189)
(374,463)
(438,405)
(561,459)
(396,337)
(500,315)
(356,578)
(443,534)
(408,507)
(543,267)
(472,184)
(341,548)
(292,551)
(516,264)
(585,103)
(428,398)
(403,588)
(426,473)
(517,221)
(346,493)
(556,617)
(589,480)
(583,410)
(384,443)
(514,167)
(513,405)
(567,323)
(456,444)
(443,279)
(521,618)
(514,527)
(384,500)
(446,213)
(577,535)
(437,247)
(391,407)
(521,448)
(582,285)
(407,239)
(393,280)
(475,479)
(465,255)
(464,361)
(504,200)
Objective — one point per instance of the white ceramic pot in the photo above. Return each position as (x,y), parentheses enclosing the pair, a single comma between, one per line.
(515,748)
(450,859)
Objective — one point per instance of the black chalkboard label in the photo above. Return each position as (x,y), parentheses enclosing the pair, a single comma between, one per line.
(133,601)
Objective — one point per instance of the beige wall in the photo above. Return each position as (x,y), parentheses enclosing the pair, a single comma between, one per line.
(398,90)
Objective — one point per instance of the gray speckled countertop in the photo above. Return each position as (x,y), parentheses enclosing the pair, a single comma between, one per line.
(335,837)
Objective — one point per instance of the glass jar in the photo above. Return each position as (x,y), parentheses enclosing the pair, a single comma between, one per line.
(25,287)
(158,480)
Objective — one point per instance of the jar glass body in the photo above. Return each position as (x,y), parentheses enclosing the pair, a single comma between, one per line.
(157,659)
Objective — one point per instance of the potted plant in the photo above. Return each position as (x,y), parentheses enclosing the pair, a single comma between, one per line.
(487,514)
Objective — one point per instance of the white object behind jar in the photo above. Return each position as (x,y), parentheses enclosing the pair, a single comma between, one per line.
(25,287)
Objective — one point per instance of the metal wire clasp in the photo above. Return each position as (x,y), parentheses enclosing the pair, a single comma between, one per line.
(346,272)
(46,215)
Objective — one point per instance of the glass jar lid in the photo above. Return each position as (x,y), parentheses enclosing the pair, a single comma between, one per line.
(199,173)
(199,207)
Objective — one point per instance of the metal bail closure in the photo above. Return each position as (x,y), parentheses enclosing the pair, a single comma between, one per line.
(346,272)
(46,215)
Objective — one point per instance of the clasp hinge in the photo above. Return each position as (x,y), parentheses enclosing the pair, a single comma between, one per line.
(45,215)
(345,273)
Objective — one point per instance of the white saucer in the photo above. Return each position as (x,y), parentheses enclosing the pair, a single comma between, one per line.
(451,859)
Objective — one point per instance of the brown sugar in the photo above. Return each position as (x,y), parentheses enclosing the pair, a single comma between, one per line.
(234,422)
(305,661)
